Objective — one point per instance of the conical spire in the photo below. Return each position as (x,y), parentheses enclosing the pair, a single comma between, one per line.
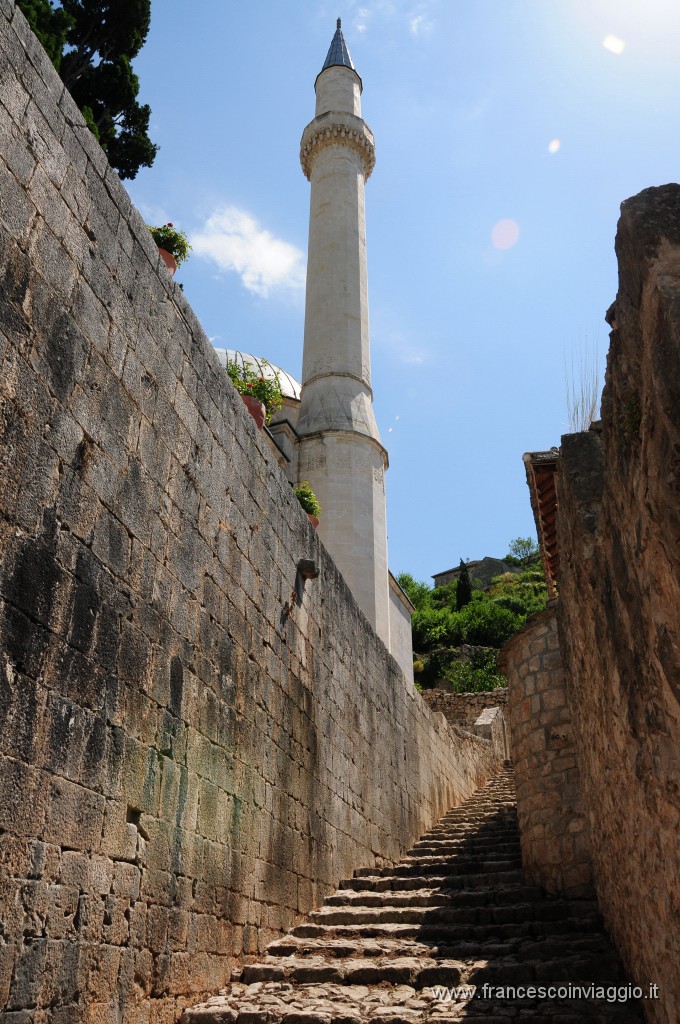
(338,53)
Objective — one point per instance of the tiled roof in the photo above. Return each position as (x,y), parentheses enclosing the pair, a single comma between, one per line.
(541,470)
(338,54)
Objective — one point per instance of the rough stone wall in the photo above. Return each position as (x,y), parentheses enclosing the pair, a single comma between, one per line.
(194,748)
(465,707)
(553,827)
(401,636)
(491,725)
(619,536)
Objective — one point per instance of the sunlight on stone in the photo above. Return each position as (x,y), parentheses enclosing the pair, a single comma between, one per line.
(505,234)
(614,44)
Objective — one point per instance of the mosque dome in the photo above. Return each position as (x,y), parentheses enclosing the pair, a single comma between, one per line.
(290,387)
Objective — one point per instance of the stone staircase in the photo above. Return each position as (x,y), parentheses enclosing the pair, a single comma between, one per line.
(404,944)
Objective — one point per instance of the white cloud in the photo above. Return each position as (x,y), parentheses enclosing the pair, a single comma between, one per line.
(234,240)
(420,26)
(362,19)
(405,349)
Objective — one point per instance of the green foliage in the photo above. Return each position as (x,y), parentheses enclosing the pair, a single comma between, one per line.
(523,550)
(50,26)
(523,594)
(480,673)
(418,593)
(175,242)
(464,587)
(488,619)
(92,43)
(247,381)
(307,498)
(487,624)
(476,671)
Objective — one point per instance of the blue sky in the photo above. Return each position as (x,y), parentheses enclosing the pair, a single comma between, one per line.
(507,134)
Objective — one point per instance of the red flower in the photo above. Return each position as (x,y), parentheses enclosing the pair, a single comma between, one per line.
(249,385)
(261,380)
(169,224)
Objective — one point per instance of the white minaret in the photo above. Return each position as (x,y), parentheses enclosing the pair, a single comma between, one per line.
(340,451)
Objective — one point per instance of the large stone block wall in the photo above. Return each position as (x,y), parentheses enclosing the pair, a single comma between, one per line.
(194,747)
(483,714)
(619,537)
(553,828)
(465,707)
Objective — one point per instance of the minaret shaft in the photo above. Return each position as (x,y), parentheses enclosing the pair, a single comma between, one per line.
(340,452)
(337,343)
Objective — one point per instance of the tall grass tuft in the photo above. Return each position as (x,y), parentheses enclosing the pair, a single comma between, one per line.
(582,386)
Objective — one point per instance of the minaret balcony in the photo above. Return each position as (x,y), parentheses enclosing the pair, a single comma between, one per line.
(332,128)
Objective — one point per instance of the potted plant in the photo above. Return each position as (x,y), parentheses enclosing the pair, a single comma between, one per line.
(173,245)
(309,501)
(262,396)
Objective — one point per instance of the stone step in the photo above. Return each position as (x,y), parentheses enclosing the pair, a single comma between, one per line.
(293,945)
(458,910)
(423,971)
(332,1003)
(448,934)
(456,851)
(511,907)
(403,970)
(594,944)
(283,1003)
(399,883)
(452,839)
(441,865)
(435,897)
(475,837)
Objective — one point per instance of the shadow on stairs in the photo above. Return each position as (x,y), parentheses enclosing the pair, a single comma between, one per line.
(454,932)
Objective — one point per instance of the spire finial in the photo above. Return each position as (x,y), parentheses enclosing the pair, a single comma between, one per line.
(338,55)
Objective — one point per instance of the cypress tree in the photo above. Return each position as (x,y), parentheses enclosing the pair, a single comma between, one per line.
(463,587)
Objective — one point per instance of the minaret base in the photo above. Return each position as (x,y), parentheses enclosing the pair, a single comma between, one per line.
(347,473)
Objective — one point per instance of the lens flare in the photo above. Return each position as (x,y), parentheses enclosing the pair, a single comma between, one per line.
(505,234)
(554,145)
(614,44)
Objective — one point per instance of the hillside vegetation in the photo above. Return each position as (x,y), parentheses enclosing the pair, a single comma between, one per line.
(458,628)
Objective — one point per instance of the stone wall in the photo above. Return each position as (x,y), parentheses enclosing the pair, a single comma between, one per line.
(480,713)
(553,827)
(619,537)
(401,635)
(195,743)
(620,593)
(491,725)
(465,707)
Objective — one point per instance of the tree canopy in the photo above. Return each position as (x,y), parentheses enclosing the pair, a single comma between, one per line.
(91,44)
(458,642)
(523,549)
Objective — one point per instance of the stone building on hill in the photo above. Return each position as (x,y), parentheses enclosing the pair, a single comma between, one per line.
(482,571)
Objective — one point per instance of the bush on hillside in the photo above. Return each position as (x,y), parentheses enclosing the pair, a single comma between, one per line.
(488,620)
